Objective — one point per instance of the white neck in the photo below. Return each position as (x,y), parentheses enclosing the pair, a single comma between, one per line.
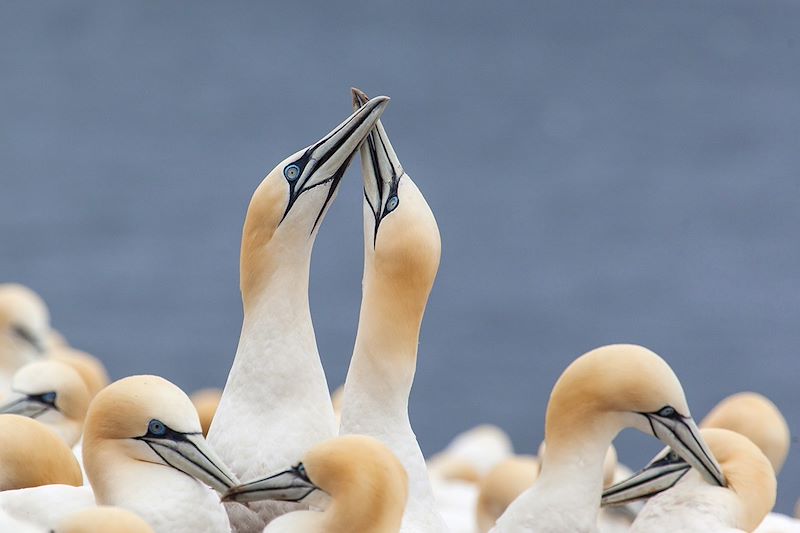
(168,500)
(566,495)
(276,404)
(376,404)
(692,505)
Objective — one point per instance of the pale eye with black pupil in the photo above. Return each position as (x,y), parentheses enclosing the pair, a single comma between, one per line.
(157,428)
(392,204)
(672,456)
(49,397)
(292,172)
(667,412)
(301,469)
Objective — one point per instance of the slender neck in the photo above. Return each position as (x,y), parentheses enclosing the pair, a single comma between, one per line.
(567,492)
(276,400)
(380,378)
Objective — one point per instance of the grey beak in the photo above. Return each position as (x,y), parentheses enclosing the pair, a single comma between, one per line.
(327,160)
(682,435)
(191,454)
(31,406)
(380,168)
(290,485)
(662,473)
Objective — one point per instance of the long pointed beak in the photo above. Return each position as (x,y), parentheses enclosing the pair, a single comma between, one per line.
(380,167)
(28,406)
(682,435)
(191,454)
(327,160)
(289,486)
(662,473)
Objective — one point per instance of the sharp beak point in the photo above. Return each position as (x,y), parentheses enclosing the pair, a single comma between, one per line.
(333,152)
(193,456)
(283,486)
(359,97)
(684,438)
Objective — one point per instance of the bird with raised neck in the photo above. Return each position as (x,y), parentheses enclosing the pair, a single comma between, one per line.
(402,248)
(275,404)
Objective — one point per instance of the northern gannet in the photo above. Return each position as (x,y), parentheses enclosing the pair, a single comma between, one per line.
(365,489)
(682,500)
(206,402)
(276,404)
(90,368)
(401,256)
(52,393)
(103,518)
(601,393)
(757,418)
(31,455)
(24,330)
(142,437)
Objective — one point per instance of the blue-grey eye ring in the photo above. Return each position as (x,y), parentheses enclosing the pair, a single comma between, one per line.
(391,204)
(667,411)
(156,427)
(292,172)
(49,397)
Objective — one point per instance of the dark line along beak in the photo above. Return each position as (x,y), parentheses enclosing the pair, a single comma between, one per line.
(31,405)
(682,435)
(662,473)
(380,168)
(327,160)
(191,454)
(290,486)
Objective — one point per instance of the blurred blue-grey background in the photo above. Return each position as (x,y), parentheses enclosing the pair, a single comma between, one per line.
(600,171)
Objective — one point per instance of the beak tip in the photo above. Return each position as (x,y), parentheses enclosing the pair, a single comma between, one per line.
(359,97)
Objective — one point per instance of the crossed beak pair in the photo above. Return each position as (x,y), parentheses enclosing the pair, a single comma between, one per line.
(686,449)
(326,161)
(290,485)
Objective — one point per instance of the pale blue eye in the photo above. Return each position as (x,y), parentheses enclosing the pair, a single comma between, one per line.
(391,205)
(292,172)
(667,411)
(157,428)
(49,397)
